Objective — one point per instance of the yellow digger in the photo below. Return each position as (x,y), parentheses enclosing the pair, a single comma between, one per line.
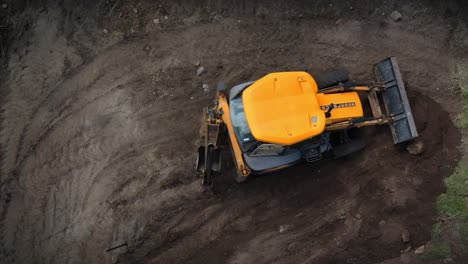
(286,118)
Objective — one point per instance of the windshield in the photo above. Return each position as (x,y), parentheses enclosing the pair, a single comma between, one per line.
(241,129)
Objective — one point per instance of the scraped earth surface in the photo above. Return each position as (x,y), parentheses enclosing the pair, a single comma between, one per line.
(100,127)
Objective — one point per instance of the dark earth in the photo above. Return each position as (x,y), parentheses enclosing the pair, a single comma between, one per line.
(101,105)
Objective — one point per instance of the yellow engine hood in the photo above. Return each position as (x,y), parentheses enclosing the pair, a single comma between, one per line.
(283,108)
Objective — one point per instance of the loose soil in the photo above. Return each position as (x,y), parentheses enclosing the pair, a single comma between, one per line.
(99,131)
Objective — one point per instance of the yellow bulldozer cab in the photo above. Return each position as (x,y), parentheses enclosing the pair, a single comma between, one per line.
(285,108)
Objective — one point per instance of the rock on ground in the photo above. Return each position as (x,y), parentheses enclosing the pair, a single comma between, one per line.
(416,147)
(201,70)
(396,16)
(420,250)
(405,236)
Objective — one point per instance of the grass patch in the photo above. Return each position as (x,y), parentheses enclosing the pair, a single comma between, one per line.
(454,203)
(463,231)
(437,250)
(450,234)
(452,206)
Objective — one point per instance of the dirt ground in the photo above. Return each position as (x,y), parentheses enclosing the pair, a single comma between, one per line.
(101,106)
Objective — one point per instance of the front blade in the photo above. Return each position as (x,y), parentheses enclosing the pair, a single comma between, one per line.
(396,100)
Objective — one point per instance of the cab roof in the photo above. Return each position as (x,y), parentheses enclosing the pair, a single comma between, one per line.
(282,108)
